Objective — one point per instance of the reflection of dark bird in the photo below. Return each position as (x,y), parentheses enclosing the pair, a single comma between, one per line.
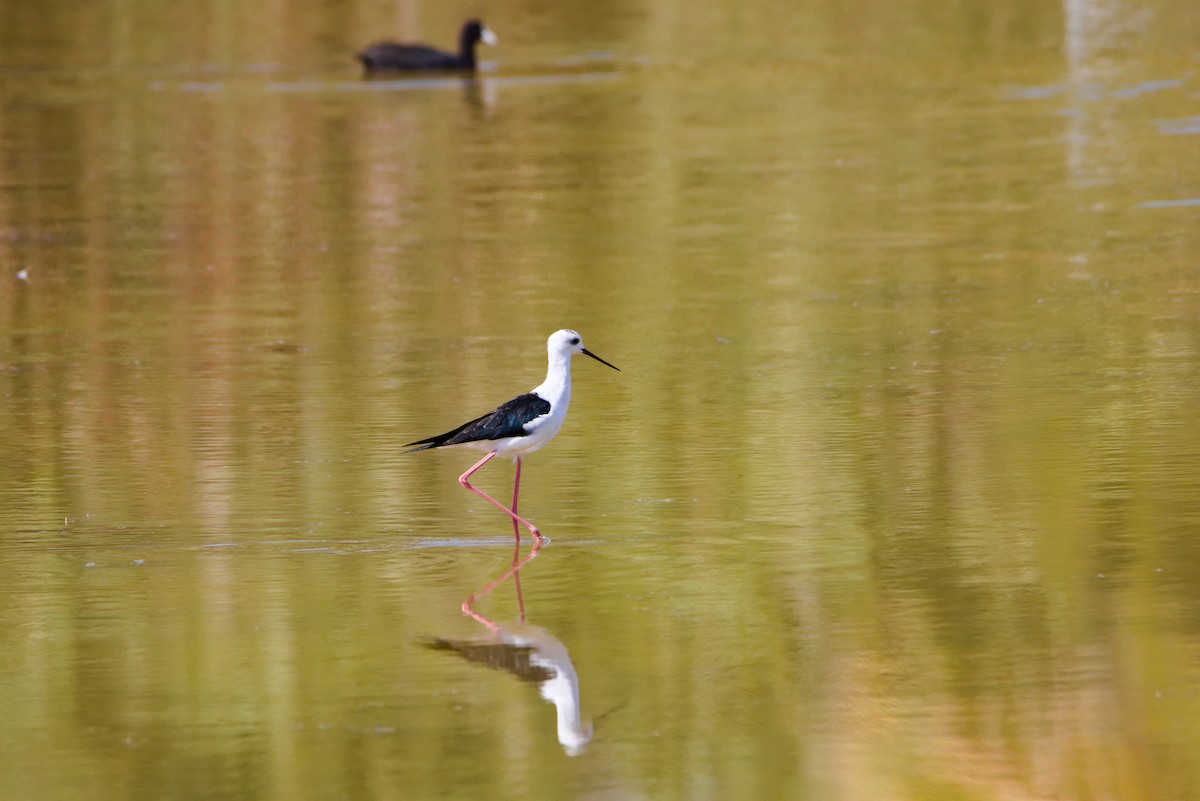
(393,57)
(523,424)
(532,654)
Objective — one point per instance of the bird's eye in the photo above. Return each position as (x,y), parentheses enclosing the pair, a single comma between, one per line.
(574,340)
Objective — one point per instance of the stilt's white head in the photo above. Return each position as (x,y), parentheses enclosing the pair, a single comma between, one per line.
(566,342)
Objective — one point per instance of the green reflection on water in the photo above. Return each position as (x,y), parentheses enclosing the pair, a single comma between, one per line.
(894,497)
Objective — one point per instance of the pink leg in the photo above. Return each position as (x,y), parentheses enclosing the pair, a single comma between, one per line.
(537,535)
(514,571)
(516,491)
(537,542)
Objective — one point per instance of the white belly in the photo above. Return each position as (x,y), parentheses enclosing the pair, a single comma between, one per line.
(541,431)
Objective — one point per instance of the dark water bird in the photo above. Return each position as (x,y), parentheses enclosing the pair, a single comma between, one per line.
(521,425)
(393,57)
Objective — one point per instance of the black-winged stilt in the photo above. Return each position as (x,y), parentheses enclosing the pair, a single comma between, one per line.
(522,425)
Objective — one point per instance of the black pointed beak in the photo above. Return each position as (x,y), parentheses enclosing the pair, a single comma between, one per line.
(587,352)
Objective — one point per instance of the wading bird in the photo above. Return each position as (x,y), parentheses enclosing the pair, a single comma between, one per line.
(393,57)
(522,425)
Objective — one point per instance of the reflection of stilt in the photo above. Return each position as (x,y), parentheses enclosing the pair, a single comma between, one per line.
(528,652)
(514,572)
(537,545)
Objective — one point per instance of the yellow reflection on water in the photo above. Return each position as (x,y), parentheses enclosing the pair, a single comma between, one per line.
(895,497)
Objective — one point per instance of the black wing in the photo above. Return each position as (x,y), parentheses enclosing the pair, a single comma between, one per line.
(507,420)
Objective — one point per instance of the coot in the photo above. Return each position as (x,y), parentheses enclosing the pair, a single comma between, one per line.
(393,57)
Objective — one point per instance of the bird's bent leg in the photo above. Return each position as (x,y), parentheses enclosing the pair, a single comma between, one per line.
(516,518)
(463,478)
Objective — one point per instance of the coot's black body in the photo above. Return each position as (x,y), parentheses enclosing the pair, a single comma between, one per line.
(393,57)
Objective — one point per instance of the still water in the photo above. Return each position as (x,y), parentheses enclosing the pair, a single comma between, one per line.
(895,497)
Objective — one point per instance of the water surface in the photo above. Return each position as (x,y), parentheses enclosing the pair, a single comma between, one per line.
(894,497)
